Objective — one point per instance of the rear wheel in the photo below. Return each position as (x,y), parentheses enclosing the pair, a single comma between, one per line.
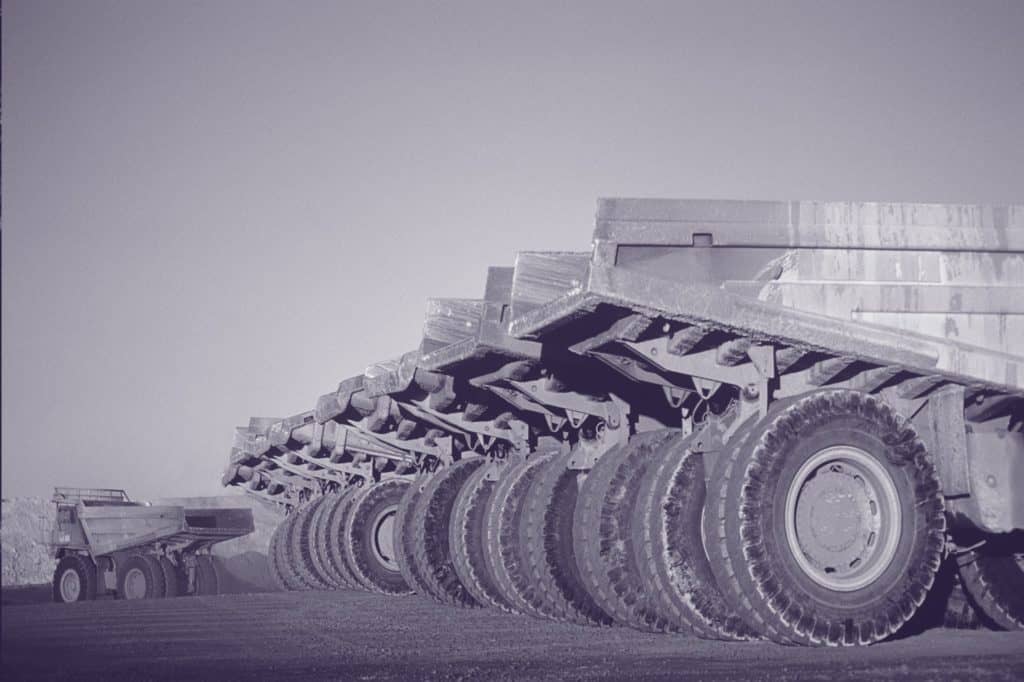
(136,578)
(506,554)
(74,579)
(172,577)
(431,518)
(546,533)
(405,526)
(673,563)
(467,537)
(604,540)
(159,579)
(329,537)
(273,557)
(301,546)
(370,538)
(959,614)
(283,560)
(336,525)
(207,576)
(831,519)
(993,576)
(317,533)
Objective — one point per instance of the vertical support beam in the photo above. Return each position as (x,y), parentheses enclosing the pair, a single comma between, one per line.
(941,428)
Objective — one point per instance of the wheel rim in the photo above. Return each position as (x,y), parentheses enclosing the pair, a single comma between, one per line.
(135,584)
(384,537)
(70,585)
(842,518)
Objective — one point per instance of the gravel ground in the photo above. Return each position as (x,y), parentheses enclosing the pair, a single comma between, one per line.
(354,635)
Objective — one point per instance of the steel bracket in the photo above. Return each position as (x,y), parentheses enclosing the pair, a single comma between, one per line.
(589,450)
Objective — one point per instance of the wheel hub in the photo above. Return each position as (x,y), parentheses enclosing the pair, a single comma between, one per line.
(70,585)
(842,518)
(134,584)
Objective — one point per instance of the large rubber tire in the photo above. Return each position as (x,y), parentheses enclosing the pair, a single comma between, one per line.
(173,578)
(603,537)
(467,538)
(667,532)
(370,537)
(273,556)
(316,531)
(302,546)
(960,613)
(207,576)
(431,519)
(993,576)
(325,543)
(749,520)
(506,554)
(292,580)
(404,523)
(336,536)
(78,575)
(136,578)
(546,533)
(159,577)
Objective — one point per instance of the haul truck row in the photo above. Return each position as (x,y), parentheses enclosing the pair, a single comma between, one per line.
(728,419)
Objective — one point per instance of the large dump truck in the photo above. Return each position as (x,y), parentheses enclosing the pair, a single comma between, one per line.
(106,544)
(731,419)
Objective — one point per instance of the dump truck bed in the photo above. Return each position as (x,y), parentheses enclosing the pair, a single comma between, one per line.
(933,288)
(111,528)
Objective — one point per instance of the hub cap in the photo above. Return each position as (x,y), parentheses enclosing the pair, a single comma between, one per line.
(384,537)
(135,584)
(842,518)
(70,585)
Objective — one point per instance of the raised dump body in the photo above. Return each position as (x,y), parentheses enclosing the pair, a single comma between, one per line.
(107,543)
(785,415)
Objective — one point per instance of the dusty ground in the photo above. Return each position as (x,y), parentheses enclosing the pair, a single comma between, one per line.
(354,635)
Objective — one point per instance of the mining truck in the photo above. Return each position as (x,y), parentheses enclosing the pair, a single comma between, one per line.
(106,544)
(727,419)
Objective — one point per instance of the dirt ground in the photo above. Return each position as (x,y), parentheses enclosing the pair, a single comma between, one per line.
(354,635)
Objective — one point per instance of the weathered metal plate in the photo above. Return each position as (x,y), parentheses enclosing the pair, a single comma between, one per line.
(540,277)
(390,376)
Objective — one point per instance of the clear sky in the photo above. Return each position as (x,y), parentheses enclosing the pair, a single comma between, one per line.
(215,210)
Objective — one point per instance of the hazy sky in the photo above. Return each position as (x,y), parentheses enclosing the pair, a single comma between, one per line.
(215,210)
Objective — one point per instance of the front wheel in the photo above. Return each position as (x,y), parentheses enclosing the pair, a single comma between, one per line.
(74,579)
(831,518)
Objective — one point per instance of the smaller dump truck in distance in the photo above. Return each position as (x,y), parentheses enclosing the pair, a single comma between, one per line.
(106,544)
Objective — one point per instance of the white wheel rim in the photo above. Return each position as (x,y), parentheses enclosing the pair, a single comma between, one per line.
(843,520)
(135,584)
(383,537)
(70,585)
